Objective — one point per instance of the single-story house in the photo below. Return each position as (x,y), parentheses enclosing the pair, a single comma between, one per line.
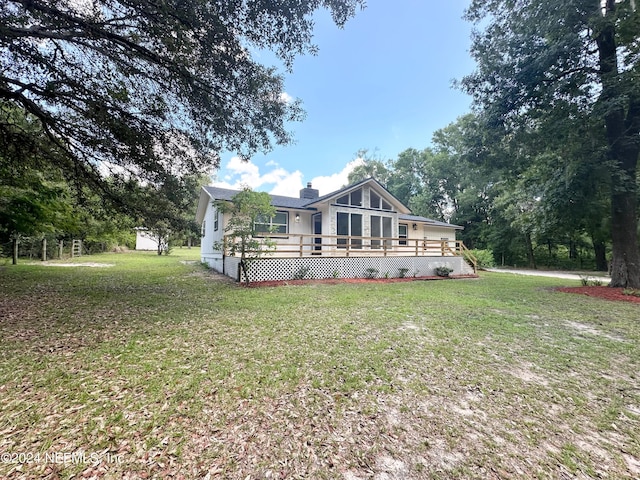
(353,232)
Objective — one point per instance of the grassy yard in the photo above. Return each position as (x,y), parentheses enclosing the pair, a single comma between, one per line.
(156,368)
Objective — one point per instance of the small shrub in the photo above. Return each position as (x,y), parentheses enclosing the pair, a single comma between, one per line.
(386,275)
(301,273)
(587,281)
(402,272)
(631,291)
(443,271)
(484,257)
(370,273)
(335,274)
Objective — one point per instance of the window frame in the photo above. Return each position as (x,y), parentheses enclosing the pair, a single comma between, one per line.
(350,197)
(403,238)
(356,243)
(269,232)
(383,225)
(381,202)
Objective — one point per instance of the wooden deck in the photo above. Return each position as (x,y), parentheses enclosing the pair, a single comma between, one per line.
(305,245)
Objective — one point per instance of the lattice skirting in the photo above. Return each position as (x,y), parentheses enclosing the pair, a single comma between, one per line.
(266,269)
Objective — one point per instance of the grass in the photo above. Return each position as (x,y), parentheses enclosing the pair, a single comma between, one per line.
(155,367)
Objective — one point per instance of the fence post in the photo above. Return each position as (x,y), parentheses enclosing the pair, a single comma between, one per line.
(60,249)
(44,249)
(16,241)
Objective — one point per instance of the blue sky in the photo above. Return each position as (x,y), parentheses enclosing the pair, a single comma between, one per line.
(382,83)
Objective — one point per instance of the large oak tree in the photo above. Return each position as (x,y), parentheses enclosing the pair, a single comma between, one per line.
(534,56)
(150,89)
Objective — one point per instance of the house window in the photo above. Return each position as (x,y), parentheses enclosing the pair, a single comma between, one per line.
(204,228)
(380,227)
(403,230)
(349,224)
(215,221)
(377,202)
(277,224)
(354,198)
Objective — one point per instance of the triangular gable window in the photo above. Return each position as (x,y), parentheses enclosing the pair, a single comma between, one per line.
(377,202)
(354,198)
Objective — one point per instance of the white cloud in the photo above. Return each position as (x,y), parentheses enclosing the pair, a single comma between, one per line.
(330,183)
(289,185)
(238,173)
(286,98)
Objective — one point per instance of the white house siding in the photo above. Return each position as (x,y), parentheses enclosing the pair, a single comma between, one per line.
(208,254)
(429,232)
(439,233)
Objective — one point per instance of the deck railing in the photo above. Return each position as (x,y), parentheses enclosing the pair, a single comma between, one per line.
(309,245)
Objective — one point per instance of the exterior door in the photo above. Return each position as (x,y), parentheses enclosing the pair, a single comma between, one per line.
(317,230)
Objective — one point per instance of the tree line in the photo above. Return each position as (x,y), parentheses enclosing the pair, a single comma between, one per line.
(546,211)
(549,155)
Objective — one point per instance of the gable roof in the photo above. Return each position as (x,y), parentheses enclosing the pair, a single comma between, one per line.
(218,193)
(401,207)
(276,200)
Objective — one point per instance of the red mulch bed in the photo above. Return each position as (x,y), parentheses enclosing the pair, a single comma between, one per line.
(606,293)
(338,281)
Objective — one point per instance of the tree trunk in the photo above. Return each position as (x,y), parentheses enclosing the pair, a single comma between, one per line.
(530,256)
(625,266)
(245,271)
(622,129)
(573,250)
(600,252)
(15,251)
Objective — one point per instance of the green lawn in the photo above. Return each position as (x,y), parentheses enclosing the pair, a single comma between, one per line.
(154,367)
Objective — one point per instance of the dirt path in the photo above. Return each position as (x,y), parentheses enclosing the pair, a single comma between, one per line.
(554,274)
(84,264)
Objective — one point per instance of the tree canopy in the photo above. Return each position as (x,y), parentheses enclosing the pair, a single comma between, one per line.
(543,65)
(148,89)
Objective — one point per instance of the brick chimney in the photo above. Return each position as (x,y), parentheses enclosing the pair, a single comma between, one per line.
(309,193)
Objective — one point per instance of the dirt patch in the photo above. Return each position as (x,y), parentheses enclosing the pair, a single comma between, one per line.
(525,374)
(581,327)
(84,264)
(339,281)
(606,293)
